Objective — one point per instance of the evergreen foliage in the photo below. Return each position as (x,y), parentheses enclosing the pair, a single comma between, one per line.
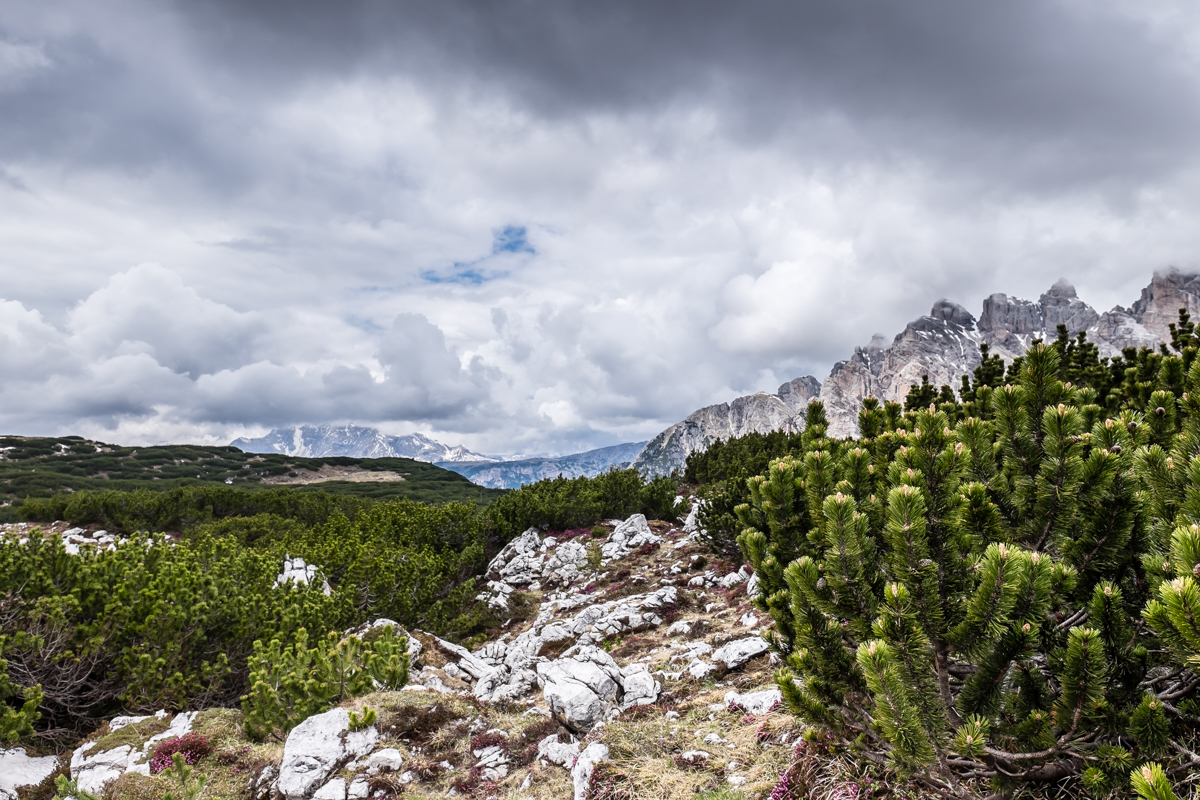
(1000,586)
(289,684)
(564,503)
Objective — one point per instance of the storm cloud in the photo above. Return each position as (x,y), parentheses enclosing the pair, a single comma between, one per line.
(539,227)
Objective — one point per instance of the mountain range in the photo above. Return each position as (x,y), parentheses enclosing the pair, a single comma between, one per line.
(512,474)
(325,441)
(354,441)
(944,345)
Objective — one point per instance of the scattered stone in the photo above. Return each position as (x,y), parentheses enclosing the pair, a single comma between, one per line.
(318,747)
(556,752)
(754,702)
(694,756)
(737,653)
(585,765)
(493,762)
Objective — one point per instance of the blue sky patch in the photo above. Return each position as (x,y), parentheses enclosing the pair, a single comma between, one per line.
(511,239)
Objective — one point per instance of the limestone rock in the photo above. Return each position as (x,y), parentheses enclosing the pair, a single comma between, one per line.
(17,770)
(582,687)
(386,760)
(92,771)
(334,790)
(760,413)
(738,652)
(585,765)
(627,537)
(414,644)
(944,345)
(318,747)
(556,752)
(493,762)
(638,685)
(563,564)
(1160,302)
(520,561)
(755,702)
(299,572)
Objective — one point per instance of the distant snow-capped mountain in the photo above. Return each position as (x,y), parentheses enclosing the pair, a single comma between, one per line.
(514,474)
(353,441)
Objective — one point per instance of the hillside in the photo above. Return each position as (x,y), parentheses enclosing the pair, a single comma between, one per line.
(649,662)
(42,466)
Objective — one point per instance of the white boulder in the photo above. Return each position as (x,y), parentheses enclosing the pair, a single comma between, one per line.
(640,687)
(585,765)
(628,536)
(556,752)
(755,702)
(388,758)
(738,652)
(17,770)
(582,687)
(318,747)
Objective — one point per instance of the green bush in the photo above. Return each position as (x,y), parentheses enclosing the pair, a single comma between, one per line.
(565,503)
(159,623)
(289,684)
(996,589)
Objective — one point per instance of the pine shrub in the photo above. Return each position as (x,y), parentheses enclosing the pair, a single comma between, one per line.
(289,684)
(998,588)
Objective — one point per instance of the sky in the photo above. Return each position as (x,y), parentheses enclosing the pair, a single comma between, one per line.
(540,227)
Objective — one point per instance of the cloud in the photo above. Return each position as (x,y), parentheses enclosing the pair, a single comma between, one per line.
(534,227)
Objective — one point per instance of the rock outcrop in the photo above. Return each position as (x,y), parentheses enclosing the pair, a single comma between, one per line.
(317,748)
(757,413)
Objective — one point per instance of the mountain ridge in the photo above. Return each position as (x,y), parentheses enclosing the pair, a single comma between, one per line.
(518,472)
(356,441)
(943,344)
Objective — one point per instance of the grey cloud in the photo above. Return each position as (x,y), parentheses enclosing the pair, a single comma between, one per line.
(1050,94)
(717,197)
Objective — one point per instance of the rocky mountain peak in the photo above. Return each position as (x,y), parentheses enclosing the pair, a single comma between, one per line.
(948,311)
(1160,302)
(945,346)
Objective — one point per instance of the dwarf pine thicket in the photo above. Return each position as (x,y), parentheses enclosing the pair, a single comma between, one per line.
(1001,585)
(194,619)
